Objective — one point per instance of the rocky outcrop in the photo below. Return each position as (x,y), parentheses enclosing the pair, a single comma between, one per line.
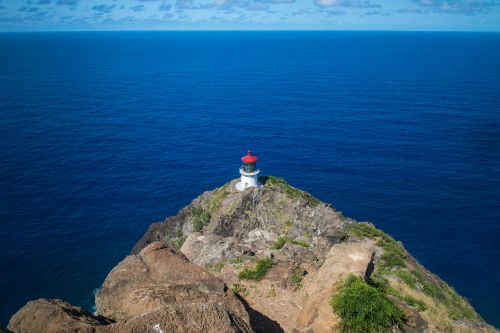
(189,318)
(54,316)
(267,259)
(160,275)
(157,290)
(256,214)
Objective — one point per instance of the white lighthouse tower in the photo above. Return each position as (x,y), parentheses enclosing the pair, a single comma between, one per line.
(249,172)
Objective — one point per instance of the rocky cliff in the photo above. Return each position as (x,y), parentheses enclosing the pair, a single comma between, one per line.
(269,259)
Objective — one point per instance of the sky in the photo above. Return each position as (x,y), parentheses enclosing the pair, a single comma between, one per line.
(70,15)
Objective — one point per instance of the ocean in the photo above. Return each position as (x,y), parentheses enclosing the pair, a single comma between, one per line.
(103,133)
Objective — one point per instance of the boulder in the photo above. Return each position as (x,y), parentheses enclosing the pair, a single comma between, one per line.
(158,276)
(54,316)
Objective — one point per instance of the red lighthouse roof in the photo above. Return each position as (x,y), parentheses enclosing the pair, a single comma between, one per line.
(249,158)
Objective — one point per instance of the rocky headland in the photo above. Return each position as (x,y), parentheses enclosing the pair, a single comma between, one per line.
(268,259)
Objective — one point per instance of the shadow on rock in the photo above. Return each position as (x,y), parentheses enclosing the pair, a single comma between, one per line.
(259,322)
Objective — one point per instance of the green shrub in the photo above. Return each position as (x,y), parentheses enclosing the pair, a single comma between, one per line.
(201,217)
(393,255)
(364,308)
(406,277)
(300,242)
(290,190)
(364,230)
(259,272)
(393,262)
(415,303)
(240,290)
(177,240)
(297,280)
(279,243)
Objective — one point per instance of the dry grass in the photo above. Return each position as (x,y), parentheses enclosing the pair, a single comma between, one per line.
(437,314)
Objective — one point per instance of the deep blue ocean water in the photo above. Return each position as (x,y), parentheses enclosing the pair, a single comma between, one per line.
(103,133)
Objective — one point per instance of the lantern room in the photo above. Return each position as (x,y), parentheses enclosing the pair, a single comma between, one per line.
(249,162)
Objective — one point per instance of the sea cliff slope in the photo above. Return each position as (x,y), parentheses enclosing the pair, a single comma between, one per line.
(268,259)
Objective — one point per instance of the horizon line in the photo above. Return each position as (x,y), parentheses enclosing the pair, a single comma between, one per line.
(247,29)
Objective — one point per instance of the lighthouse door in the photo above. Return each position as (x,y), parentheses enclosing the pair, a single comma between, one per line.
(246,185)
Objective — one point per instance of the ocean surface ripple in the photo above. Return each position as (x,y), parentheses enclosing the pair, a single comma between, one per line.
(103,133)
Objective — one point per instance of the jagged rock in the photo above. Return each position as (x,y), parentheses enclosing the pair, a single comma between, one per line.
(295,253)
(189,318)
(54,316)
(157,231)
(157,276)
(255,217)
(208,249)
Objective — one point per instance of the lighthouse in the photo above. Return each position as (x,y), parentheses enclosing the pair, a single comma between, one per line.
(249,172)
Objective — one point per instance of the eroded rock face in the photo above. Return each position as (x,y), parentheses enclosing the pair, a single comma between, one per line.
(158,276)
(157,231)
(189,318)
(54,316)
(254,217)
(207,249)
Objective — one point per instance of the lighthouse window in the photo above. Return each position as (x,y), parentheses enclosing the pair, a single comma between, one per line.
(248,167)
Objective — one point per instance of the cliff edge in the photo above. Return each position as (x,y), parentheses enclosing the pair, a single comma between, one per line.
(268,259)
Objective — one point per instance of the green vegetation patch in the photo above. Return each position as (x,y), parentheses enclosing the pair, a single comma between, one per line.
(407,277)
(297,279)
(217,196)
(236,260)
(240,290)
(215,267)
(260,271)
(392,262)
(394,254)
(281,241)
(201,217)
(444,294)
(287,226)
(364,308)
(290,190)
(300,243)
(175,239)
(415,303)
